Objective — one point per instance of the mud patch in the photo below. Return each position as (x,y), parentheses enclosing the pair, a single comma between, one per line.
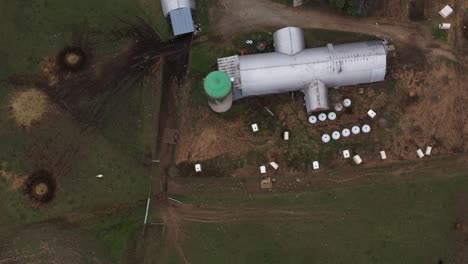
(416,11)
(40,186)
(72,59)
(29,106)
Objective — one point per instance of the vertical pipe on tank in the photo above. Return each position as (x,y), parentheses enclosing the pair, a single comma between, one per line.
(316,97)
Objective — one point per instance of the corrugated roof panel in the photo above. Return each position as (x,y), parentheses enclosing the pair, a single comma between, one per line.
(182,21)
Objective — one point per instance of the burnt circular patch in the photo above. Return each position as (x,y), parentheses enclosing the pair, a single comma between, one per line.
(40,186)
(72,59)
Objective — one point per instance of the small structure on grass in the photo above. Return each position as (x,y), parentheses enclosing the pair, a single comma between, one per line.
(428,150)
(383,155)
(346,154)
(445,26)
(420,153)
(315,165)
(274,165)
(255,127)
(371,113)
(180,13)
(266,183)
(446,11)
(357,159)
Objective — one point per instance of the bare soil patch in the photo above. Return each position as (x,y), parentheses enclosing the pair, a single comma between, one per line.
(72,59)
(29,106)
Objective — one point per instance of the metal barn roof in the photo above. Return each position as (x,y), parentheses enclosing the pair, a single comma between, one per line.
(182,21)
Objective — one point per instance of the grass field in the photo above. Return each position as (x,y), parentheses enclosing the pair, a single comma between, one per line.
(405,219)
(115,148)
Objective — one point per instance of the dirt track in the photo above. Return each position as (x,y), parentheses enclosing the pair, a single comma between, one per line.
(246,15)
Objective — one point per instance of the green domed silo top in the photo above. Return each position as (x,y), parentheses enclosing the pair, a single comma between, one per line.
(217,85)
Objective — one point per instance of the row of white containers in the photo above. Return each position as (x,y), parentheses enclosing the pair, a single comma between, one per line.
(346,133)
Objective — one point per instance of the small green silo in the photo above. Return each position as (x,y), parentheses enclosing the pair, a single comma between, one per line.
(217,85)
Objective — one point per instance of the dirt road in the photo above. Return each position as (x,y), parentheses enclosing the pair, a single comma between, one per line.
(237,16)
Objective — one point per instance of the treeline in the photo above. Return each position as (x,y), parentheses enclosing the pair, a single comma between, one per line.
(352,7)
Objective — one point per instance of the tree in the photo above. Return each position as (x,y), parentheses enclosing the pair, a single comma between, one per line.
(340,4)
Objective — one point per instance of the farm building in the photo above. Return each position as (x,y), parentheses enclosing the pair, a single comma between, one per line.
(180,14)
(292,67)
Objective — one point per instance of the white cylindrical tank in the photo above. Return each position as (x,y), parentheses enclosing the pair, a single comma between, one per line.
(331,116)
(325,138)
(371,113)
(356,130)
(338,107)
(366,129)
(347,102)
(322,117)
(346,132)
(334,65)
(169,5)
(336,135)
(289,40)
(312,119)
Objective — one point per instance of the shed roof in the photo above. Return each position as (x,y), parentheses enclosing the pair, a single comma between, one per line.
(182,21)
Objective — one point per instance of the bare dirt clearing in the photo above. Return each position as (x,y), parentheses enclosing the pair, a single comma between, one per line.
(29,106)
